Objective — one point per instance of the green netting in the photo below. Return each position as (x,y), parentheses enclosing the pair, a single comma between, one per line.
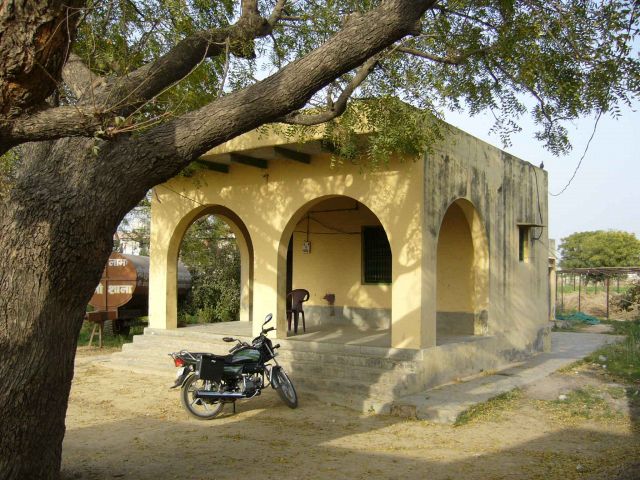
(578,317)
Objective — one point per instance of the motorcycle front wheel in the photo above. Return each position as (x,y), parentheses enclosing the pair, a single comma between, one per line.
(285,389)
(199,408)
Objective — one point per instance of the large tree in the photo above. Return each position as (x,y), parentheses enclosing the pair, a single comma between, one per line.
(101,100)
(600,248)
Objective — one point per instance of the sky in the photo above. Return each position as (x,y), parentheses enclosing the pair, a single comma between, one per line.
(605,194)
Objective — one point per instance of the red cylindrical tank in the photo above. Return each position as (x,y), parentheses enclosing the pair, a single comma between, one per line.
(123,290)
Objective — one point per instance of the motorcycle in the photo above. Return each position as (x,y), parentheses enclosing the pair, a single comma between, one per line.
(208,381)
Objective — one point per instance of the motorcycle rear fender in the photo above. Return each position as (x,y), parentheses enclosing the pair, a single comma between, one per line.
(181,379)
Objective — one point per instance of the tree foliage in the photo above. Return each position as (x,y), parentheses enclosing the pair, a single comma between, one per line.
(135,228)
(600,249)
(210,252)
(572,58)
(101,101)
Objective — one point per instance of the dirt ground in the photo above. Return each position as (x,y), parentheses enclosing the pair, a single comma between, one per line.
(125,425)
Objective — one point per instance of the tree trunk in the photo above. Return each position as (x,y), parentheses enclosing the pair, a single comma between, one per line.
(57,222)
(55,237)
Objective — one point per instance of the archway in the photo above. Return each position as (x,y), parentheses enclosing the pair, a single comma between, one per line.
(336,248)
(238,233)
(462,286)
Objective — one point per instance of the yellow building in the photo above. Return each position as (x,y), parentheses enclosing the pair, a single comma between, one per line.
(444,256)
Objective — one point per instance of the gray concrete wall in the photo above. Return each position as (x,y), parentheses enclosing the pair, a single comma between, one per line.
(317,316)
(455,323)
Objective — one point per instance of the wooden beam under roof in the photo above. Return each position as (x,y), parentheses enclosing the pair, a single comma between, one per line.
(216,167)
(247,160)
(292,154)
(327,146)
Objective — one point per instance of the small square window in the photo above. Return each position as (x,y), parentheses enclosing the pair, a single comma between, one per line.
(376,256)
(524,237)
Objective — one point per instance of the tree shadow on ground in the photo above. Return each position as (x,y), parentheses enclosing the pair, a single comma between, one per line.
(267,440)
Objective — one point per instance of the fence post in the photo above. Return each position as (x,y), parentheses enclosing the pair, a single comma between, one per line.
(607,298)
(579,292)
(555,300)
(562,295)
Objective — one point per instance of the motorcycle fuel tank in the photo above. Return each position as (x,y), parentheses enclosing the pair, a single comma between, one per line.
(246,355)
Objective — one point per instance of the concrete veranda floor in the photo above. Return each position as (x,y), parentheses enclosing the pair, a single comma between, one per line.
(336,334)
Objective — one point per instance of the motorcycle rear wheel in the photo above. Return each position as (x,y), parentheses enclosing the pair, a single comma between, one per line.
(285,388)
(199,407)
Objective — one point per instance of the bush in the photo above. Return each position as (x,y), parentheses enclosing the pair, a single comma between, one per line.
(210,252)
(630,299)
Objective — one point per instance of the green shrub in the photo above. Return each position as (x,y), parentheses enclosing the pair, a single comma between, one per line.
(630,298)
(210,252)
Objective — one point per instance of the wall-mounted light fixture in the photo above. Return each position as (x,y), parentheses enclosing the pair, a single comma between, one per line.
(306,246)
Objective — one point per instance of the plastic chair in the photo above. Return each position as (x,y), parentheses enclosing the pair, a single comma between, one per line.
(298,297)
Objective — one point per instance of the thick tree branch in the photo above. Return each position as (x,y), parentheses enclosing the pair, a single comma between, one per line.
(78,77)
(148,81)
(167,148)
(34,42)
(124,95)
(277,12)
(49,123)
(336,108)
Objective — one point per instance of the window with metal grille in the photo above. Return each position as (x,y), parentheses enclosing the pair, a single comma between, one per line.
(376,256)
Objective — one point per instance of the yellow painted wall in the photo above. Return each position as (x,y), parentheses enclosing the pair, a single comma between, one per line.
(271,202)
(455,272)
(510,297)
(409,199)
(335,262)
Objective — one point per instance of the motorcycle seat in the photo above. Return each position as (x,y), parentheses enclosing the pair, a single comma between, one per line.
(225,358)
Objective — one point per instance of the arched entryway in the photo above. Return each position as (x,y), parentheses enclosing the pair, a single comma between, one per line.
(336,248)
(239,234)
(462,286)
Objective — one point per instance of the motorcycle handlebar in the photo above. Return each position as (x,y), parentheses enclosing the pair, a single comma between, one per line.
(238,346)
(268,330)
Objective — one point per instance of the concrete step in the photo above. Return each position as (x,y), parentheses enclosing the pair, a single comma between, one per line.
(290,350)
(356,376)
(147,358)
(331,380)
(149,355)
(445,403)
(352,392)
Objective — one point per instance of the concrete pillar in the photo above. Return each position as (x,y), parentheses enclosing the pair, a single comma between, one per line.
(265,292)
(410,328)
(163,295)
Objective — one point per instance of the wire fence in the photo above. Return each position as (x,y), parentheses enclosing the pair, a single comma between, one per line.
(610,293)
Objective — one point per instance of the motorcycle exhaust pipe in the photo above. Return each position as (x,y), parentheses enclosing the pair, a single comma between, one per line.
(217,395)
